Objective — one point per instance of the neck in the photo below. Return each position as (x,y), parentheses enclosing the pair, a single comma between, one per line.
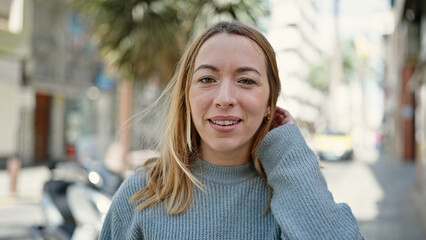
(234,158)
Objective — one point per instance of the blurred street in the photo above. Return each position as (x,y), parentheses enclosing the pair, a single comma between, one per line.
(377,189)
(18,214)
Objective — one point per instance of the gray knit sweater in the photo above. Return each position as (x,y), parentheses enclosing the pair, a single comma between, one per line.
(233,205)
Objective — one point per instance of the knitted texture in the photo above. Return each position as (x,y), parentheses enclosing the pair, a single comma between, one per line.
(235,198)
(305,207)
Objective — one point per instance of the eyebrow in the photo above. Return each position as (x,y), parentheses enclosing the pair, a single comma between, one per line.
(207,66)
(239,70)
(248,69)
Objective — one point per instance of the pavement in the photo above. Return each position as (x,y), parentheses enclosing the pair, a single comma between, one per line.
(398,218)
(20,212)
(378,190)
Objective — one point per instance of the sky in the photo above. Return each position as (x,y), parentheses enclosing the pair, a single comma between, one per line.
(357,17)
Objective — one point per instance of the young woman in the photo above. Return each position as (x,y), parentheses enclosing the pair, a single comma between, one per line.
(232,164)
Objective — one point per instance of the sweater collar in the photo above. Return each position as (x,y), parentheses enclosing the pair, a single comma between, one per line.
(223,174)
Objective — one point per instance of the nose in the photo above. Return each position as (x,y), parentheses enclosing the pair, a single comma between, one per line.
(225,95)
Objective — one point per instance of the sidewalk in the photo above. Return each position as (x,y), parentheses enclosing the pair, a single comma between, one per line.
(18,214)
(379,191)
(418,197)
(398,218)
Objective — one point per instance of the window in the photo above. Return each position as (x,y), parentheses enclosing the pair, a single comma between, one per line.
(11,15)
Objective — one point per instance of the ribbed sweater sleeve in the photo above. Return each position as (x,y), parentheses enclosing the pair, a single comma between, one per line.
(119,222)
(301,202)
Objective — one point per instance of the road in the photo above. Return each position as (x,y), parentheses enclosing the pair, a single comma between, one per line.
(378,191)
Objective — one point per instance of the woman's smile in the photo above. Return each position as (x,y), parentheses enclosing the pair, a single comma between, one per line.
(224,124)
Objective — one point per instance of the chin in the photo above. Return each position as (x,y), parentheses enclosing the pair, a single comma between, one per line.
(225,146)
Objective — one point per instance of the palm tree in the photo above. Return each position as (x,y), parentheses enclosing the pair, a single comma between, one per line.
(138,39)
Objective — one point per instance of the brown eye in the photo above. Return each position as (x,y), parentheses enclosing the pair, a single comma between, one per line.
(207,80)
(247,81)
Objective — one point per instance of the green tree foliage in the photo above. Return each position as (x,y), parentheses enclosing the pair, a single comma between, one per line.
(320,74)
(138,38)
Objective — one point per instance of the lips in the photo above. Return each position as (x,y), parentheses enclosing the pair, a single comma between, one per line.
(224,123)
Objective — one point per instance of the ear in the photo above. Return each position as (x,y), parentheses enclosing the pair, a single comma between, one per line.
(268,110)
(267,114)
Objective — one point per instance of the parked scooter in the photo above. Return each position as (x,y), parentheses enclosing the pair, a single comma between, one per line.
(76,199)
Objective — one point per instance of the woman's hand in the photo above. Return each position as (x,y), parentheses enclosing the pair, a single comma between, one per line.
(282,117)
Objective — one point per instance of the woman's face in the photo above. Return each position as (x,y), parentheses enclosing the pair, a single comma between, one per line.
(228,97)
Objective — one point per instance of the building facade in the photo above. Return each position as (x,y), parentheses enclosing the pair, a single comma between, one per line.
(15,33)
(404,81)
(405,87)
(62,94)
(293,33)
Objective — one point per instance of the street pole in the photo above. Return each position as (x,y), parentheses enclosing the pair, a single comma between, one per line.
(13,167)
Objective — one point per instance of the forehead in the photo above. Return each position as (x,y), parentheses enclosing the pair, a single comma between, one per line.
(231,48)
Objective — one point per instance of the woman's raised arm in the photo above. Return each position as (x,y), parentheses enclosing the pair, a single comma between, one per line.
(301,202)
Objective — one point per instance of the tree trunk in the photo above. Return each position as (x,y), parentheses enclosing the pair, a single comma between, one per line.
(125,111)
(336,74)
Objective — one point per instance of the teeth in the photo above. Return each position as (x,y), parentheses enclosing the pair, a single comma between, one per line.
(224,123)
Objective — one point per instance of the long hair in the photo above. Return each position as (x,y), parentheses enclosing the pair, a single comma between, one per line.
(169,178)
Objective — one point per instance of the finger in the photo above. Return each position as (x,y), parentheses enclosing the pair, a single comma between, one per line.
(282,117)
(278,119)
(279,111)
(288,118)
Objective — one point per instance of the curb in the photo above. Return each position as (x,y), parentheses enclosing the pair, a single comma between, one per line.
(418,198)
(10,201)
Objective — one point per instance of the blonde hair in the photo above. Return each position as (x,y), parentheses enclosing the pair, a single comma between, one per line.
(169,178)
